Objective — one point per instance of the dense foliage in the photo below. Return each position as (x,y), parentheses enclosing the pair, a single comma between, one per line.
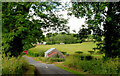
(36,54)
(14,65)
(100,14)
(61,38)
(52,60)
(93,66)
(21,29)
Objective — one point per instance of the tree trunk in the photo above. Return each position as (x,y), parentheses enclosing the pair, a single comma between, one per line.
(112,48)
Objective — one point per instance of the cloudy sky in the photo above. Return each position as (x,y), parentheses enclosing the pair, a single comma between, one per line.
(73,22)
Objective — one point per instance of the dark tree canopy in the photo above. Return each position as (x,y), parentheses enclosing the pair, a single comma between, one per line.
(19,33)
(83,33)
(106,14)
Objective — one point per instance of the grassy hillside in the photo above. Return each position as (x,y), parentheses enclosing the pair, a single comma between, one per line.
(69,48)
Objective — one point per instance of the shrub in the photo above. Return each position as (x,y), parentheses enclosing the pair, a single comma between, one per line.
(56,59)
(94,49)
(79,41)
(79,52)
(56,56)
(53,60)
(41,53)
(111,66)
(67,54)
(91,52)
(88,57)
(45,59)
(61,38)
(69,61)
(14,65)
(83,57)
(49,43)
(36,54)
(64,53)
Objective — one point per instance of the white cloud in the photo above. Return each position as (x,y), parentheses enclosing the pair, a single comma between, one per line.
(73,22)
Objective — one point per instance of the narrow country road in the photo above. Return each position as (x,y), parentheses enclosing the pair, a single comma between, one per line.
(48,69)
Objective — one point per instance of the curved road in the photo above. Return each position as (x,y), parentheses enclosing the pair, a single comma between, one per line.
(44,69)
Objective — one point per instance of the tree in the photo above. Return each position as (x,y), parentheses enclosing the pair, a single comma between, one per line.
(83,33)
(97,34)
(49,35)
(19,27)
(106,14)
(61,38)
(74,31)
(63,33)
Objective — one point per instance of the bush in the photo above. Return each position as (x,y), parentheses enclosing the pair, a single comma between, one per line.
(56,59)
(53,60)
(67,54)
(61,38)
(49,43)
(14,65)
(56,56)
(41,53)
(83,57)
(111,66)
(79,52)
(45,59)
(91,52)
(36,54)
(89,57)
(94,49)
(64,53)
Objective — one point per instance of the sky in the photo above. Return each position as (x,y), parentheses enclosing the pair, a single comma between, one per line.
(73,22)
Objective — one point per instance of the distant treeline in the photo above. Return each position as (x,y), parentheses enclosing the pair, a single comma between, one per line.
(57,38)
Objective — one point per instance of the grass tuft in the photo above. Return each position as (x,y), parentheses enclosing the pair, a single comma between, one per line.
(13,65)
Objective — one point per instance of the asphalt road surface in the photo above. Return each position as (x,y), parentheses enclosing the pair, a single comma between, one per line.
(44,69)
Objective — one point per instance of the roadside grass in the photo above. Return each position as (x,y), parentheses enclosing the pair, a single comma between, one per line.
(39,59)
(68,48)
(35,58)
(93,66)
(13,65)
(60,65)
(48,60)
(98,55)
(71,70)
(19,65)
(30,70)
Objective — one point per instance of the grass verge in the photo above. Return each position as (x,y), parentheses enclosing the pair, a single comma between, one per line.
(71,70)
(30,70)
(13,65)
(94,66)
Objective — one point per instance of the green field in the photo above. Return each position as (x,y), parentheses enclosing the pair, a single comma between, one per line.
(69,48)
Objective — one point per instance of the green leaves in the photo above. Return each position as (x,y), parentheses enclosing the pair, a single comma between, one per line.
(19,32)
(60,38)
(108,19)
(94,11)
(102,7)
